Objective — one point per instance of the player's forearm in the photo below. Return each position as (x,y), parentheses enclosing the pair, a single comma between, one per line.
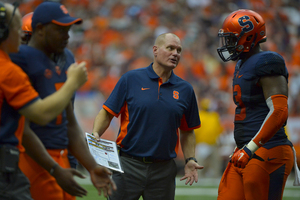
(77,143)
(275,119)
(45,110)
(79,148)
(36,150)
(57,102)
(187,140)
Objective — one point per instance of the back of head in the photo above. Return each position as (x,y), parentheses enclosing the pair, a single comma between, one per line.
(52,12)
(10,37)
(241,31)
(7,12)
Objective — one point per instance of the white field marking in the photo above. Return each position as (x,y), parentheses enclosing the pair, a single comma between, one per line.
(214,182)
(201,182)
(196,192)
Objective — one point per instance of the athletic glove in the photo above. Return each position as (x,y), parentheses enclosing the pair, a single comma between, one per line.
(241,157)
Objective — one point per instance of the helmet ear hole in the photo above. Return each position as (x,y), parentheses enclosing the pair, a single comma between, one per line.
(249,38)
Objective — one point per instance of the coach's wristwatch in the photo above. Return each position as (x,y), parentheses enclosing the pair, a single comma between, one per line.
(190,158)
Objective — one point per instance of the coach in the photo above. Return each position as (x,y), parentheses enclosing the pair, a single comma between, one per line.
(153,103)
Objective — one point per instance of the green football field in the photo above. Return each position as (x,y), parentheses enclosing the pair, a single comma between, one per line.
(205,189)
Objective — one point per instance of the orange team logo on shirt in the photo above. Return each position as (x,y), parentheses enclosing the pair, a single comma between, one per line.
(57,69)
(145,88)
(237,75)
(63,8)
(175,94)
(48,73)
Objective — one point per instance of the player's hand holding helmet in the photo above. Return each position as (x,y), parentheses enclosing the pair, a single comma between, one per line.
(241,31)
(77,73)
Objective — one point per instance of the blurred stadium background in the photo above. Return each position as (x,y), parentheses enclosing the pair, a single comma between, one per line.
(117,36)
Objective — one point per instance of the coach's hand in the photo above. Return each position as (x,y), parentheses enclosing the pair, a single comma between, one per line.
(64,178)
(101,179)
(241,157)
(96,135)
(190,172)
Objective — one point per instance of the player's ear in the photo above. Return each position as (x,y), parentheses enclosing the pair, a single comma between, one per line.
(155,48)
(39,28)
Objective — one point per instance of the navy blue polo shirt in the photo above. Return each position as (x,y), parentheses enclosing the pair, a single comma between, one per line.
(152,112)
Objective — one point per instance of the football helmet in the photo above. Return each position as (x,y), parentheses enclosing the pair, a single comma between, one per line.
(26,27)
(241,31)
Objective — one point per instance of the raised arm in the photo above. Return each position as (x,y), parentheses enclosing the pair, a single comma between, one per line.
(44,110)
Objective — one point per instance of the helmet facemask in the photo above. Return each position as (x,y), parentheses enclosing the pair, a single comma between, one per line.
(229,48)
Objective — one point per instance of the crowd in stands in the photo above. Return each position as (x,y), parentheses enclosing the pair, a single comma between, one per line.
(117,36)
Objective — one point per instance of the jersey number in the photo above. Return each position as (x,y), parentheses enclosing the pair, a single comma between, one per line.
(59,117)
(237,92)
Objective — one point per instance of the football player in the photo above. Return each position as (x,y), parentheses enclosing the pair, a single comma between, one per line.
(26,35)
(263,157)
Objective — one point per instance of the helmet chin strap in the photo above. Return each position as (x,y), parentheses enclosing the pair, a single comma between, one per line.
(241,35)
(236,56)
(253,43)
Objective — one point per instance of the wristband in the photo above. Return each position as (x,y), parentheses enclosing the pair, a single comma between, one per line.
(190,158)
(252,146)
(51,171)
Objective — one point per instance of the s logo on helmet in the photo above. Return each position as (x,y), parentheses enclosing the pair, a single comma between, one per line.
(246,23)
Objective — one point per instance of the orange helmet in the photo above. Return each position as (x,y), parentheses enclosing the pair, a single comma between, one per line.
(26,23)
(241,31)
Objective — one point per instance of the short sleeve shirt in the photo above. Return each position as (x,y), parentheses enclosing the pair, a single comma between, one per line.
(16,92)
(152,112)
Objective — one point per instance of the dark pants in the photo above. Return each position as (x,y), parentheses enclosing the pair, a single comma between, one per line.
(149,180)
(14,186)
